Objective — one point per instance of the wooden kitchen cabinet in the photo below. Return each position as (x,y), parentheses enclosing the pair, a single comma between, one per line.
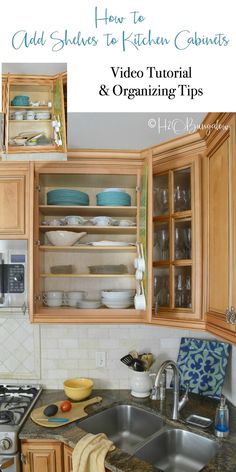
(91,174)
(220,236)
(14,200)
(42,116)
(38,456)
(67,459)
(185,189)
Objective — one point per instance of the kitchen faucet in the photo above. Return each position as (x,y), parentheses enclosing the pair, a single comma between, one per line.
(177,405)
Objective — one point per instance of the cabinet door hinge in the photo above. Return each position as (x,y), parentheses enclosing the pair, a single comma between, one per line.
(37,298)
(37,242)
(38,188)
(23,458)
(230,315)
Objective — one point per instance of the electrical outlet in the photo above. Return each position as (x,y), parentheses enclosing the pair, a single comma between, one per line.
(100,359)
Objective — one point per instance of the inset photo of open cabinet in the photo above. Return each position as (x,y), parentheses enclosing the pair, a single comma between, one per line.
(33,103)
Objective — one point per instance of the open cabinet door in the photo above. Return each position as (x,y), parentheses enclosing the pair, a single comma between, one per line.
(146,226)
(5,107)
(33,239)
(59,115)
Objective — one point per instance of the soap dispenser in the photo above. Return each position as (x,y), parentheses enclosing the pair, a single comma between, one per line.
(222,419)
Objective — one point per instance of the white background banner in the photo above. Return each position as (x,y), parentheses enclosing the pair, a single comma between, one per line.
(129,55)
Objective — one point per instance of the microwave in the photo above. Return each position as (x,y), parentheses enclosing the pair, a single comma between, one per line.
(13,275)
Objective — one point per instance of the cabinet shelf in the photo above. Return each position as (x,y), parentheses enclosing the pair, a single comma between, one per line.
(80,315)
(86,248)
(178,215)
(40,107)
(30,121)
(180,262)
(62,210)
(92,229)
(86,275)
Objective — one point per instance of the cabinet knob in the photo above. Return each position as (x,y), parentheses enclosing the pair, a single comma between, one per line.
(5,444)
(230,315)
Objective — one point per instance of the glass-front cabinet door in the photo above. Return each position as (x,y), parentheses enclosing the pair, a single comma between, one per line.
(176,241)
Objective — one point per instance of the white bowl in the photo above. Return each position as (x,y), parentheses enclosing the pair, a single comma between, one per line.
(64,238)
(118,304)
(54,294)
(72,298)
(101,220)
(118,294)
(75,220)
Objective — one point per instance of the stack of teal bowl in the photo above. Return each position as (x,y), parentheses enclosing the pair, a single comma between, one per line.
(66,196)
(113,198)
(20,101)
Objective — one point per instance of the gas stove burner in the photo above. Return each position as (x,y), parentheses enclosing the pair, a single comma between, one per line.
(6,417)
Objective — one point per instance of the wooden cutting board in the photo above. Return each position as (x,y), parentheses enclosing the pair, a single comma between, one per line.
(76,412)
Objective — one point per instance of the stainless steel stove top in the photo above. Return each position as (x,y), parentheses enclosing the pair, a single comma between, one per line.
(16,401)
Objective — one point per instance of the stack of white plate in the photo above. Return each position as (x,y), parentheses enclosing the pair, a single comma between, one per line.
(118,298)
(42,115)
(89,304)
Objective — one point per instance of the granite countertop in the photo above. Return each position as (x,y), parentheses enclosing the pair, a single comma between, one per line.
(119,461)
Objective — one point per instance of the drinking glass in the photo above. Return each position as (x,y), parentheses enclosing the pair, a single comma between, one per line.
(179,252)
(187,242)
(164,244)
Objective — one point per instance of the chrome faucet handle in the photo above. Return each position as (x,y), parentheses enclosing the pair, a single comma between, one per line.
(155,393)
(184,398)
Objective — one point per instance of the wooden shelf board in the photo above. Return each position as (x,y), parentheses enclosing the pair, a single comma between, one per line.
(92,229)
(89,276)
(100,315)
(177,263)
(87,248)
(56,210)
(29,121)
(178,215)
(30,107)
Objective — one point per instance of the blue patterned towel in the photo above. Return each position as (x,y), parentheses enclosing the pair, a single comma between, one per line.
(202,364)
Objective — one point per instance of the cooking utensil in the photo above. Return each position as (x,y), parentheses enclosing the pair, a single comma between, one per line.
(55,420)
(76,412)
(127,360)
(136,364)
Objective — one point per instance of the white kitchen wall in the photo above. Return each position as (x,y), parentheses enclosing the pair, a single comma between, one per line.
(65,351)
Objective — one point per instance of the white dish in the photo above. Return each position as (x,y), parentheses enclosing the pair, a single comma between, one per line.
(117,294)
(64,238)
(101,221)
(75,220)
(126,223)
(118,304)
(111,243)
(93,304)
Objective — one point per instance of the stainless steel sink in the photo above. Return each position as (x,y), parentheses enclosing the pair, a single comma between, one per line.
(176,450)
(126,425)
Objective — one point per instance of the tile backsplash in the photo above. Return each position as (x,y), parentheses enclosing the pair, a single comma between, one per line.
(19,349)
(49,354)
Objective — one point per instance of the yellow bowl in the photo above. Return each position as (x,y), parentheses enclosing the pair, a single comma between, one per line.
(78,388)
